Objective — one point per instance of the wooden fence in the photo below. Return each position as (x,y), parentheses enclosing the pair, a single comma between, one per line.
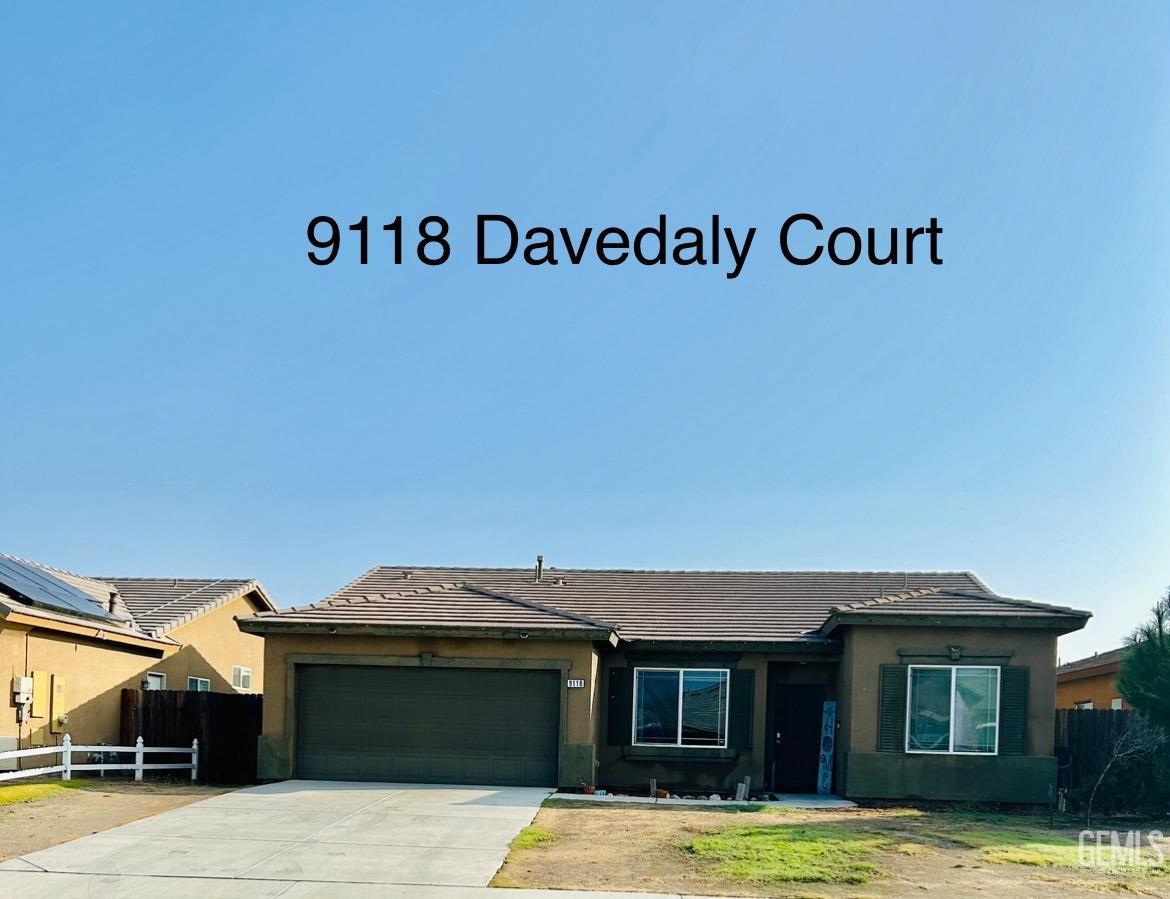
(225,724)
(1084,738)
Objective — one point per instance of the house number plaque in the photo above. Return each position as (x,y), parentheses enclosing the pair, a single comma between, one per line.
(576,682)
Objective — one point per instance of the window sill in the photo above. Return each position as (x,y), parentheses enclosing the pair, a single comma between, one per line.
(678,754)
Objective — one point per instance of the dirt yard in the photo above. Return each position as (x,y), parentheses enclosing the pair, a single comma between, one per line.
(837,853)
(36,815)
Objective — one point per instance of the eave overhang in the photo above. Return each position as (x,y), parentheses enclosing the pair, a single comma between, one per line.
(1062,624)
(264,626)
(91,632)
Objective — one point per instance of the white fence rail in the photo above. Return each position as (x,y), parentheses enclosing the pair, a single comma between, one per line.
(65,765)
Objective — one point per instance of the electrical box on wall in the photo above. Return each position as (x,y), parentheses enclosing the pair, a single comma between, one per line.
(22,688)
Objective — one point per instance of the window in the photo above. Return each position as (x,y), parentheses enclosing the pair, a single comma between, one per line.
(241,677)
(154,681)
(1086,705)
(199,685)
(953,709)
(680,707)
(1115,703)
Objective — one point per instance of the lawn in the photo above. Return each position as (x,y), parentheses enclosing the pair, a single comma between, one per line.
(841,852)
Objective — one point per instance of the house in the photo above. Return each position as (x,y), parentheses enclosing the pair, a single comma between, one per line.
(941,688)
(70,643)
(1091,683)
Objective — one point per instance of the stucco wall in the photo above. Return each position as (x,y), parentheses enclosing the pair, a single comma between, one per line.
(866,772)
(284,651)
(212,644)
(93,672)
(1099,689)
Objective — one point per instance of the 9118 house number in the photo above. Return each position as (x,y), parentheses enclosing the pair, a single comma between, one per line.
(574,682)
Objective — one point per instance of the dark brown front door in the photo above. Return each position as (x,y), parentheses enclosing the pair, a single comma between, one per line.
(796,736)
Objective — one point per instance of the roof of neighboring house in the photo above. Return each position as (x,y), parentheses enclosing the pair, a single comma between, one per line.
(663,606)
(162,604)
(1109,661)
(145,607)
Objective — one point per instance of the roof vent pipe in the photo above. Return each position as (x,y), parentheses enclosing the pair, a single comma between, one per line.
(112,603)
(539,568)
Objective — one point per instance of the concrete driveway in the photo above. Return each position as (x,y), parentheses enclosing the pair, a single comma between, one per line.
(292,839)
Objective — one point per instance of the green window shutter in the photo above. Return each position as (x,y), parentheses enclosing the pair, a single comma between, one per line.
(741,698)
(620,710)
(1013,710)
(892,709)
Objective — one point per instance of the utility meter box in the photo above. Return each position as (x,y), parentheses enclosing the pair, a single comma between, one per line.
(22,688)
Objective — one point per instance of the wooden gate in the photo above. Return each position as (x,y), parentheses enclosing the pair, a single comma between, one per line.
(226,725)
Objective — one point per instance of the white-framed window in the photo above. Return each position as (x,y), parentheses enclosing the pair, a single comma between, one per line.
(953,709)
(154,680)
(198,685)
(1086,706)
(1115,703)
(241,677)
(681,707)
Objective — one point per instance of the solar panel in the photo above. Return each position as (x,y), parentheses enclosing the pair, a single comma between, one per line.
(39,588)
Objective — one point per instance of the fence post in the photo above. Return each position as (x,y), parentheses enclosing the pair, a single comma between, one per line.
(67,758)
(194,759)
(138,759)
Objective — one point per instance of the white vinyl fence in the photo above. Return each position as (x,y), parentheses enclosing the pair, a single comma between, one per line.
(65,765)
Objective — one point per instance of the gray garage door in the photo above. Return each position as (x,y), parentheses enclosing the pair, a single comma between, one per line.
(427,725)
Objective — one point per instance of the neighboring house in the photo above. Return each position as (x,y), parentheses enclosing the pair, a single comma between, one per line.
(697,679)
(79,640)
(1091,683)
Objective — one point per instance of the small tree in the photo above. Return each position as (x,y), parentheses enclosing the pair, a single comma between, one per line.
(1144,679)
(1140,740)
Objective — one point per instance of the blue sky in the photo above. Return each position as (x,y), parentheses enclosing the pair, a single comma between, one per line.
(186,395)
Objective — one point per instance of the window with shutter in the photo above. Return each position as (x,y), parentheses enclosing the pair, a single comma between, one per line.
(619,709)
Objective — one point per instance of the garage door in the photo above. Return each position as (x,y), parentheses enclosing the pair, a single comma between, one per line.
(427,725)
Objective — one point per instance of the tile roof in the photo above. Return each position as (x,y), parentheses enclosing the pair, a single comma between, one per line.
(442,605)
(152,606)
(162,604)
(707,606)
(1111,658)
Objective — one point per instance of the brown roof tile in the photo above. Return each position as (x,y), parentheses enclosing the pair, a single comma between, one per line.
(708,606)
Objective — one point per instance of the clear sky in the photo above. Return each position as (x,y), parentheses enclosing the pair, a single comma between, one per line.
(184,394)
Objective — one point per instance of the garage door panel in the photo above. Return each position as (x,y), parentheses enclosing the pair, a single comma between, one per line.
(430,725)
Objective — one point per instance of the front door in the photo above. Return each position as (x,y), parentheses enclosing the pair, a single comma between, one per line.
(796,732)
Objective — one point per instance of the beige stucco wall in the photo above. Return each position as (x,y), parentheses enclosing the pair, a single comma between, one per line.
(1099,689)
(94,674)
(212,644)
(284,651)
(95,671)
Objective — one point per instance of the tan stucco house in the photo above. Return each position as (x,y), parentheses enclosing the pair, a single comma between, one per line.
(70,643)
(1091,682)
(868,684)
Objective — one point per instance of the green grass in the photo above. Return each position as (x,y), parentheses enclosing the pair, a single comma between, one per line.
(31,792)
(531,837)
(1040,850)
(789,853)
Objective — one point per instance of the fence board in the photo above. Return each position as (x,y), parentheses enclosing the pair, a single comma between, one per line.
(227,726)
(1083,740)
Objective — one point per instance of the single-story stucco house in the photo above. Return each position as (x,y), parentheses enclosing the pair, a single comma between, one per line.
(871,684)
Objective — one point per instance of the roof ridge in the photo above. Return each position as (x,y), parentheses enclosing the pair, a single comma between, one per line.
(548,568)
(541,607)
(886,598)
